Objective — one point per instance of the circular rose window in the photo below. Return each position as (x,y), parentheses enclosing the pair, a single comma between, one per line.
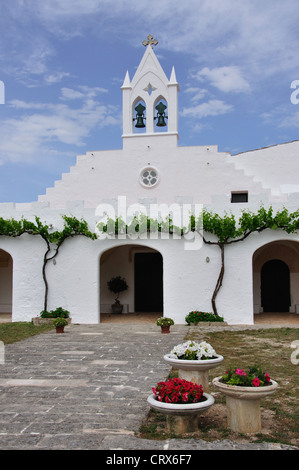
(149,177)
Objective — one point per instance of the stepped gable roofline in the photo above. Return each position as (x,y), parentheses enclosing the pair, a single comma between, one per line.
(267,147)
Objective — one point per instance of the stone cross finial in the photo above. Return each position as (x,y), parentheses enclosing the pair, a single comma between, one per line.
(150,42)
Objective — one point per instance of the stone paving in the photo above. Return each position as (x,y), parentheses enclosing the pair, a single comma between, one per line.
(86,389)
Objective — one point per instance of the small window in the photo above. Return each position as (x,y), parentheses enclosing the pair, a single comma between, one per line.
(149,177)
(241,196)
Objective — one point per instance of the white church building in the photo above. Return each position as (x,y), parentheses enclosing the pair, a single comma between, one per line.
(166,273)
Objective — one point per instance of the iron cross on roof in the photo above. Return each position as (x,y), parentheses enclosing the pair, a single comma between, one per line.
(150,42)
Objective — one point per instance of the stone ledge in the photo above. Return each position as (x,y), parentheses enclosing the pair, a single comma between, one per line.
(46,321)
(209,323)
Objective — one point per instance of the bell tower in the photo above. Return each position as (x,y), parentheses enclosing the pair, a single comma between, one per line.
(150,100)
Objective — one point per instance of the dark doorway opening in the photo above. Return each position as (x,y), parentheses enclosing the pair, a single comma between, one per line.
(148,282)
(275,286)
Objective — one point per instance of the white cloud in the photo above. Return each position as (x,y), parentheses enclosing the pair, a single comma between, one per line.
(226,79)
(20,104)
(70,94)
(39,127)
(87,92)
(261,36)
(211,108)
(56,77)
(198,93)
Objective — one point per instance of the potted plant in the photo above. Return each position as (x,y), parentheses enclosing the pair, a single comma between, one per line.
(116,285)
(165,323)
(244,389)
(181,401)
(59,324)
(193,361)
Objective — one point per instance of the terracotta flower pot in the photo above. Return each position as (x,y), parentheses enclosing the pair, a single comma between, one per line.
(165,329)
(59,329)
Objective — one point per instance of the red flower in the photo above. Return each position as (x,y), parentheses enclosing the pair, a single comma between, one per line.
(178,391)
(256,382)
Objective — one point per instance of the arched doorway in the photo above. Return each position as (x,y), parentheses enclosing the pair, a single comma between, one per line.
(275,286)
(142,267)
(275,267)
(6,265)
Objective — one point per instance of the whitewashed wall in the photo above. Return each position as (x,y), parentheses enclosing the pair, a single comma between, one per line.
(75,281)
(6,283)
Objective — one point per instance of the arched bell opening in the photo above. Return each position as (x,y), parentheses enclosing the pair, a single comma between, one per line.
(160,115)
(139,113)
(6,282)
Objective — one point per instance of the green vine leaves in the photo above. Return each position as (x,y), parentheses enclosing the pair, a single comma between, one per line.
(72,227)
(228,230)
(225,228)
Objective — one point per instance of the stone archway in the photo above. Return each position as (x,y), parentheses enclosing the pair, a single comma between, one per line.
(276,277)
(6,272)
(142,267)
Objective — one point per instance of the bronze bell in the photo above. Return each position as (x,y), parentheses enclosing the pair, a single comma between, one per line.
(161,114)
(161,121)
(139,122)
(139,116)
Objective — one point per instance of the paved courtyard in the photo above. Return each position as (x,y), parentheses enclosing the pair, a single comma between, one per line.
(87,389)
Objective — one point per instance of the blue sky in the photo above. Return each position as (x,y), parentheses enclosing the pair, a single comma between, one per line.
(62,63)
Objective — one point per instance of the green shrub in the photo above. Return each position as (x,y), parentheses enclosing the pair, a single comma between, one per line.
(59,312)
(197,316)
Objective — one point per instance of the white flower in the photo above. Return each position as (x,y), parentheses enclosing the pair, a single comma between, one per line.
(201,350)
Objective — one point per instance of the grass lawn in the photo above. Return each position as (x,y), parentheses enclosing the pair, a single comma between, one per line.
(270,348)
(16,331)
